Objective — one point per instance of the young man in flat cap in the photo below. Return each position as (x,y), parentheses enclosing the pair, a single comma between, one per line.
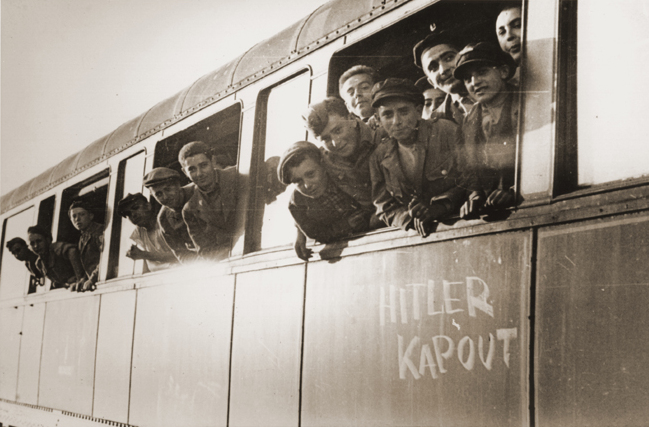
(91,242)
(415,175)
(147,234)
(58,261)
(164,184)
(433,97)
(508,30)
(19,249)
(490,128)
(210,213)
(320,209)
(436,55)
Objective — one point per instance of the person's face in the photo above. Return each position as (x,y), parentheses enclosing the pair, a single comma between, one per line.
(438,63)
(357,94)
(40,244)
(310,178)
(508,29)
(433,98)
(168,194)
(81,218)
(484,82)
(399,119)
(140,213)
(20,251)
(200,170)
(340,136)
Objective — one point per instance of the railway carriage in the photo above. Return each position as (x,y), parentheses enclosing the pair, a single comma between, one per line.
(536,318)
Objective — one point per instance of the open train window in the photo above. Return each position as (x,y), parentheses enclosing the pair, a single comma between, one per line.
(279,112)
(220,131)
(602,92)
(14,276)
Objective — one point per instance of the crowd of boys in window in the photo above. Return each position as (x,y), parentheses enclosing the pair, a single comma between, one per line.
(391,153)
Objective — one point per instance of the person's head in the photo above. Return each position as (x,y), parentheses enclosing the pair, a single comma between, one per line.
(484,69)
(398,103)
(39,239)
(354,87)
(80,215)
(164,184)
(301,164)
(137,209)
(433,97)
(18,248)
(436,55)
(332,125)
(508,30)
(199,164)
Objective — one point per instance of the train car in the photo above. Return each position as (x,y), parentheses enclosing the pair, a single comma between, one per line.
(535,318)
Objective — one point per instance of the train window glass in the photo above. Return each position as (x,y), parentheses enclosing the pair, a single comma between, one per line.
(220,131)
(612,94)
(283,106)
(129,181)
(14,276)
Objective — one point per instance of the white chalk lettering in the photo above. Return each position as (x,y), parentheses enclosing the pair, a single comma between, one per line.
(492,350)
(392,306)
(431,299)
(438,353)
(506,335)
(470,361)
(480,301)
(448,301)
(416,312)
(404,358)
(426,361)
(404,306)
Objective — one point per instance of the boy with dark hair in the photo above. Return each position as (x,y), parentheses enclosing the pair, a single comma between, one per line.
(165,187)
(320,209)
(415,175)
(354,87)
(210,213)
(490,128)
(91,242)
(19,249)
(508,30)
(433,97)
(147,234)
(58,261)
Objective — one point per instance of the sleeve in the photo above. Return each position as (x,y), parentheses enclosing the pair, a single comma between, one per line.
(177,246)
(324,233)
(98,242)
(209,241)
(136,237)
(388,208)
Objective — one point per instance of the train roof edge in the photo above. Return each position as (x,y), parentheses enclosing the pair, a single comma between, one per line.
(327,23)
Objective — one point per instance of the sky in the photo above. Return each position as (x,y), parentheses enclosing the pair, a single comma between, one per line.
(74,70)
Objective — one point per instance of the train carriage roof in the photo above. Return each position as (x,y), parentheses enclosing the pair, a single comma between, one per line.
(325,24)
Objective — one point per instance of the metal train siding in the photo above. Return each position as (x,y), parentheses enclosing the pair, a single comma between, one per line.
(537,319)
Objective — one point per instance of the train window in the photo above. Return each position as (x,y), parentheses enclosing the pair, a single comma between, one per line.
(612,95)
(14,276)
(220,131)
(281,108)
(129,180)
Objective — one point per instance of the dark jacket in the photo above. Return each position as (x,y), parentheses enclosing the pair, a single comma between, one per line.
(450,111)
(91,244)
(210,218)
(58,267)
(174,229)
(441,180)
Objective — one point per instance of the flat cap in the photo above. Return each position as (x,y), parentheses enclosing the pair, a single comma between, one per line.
(298,148)
(316,117)
(482,53)
(160,175)
(448,37)
(396,88)
(124,205)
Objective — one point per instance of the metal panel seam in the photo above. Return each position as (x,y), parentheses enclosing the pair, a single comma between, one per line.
(40,362)
(94,370)
(299,405)
(130,371)
(20,347)
(234,299)
(306,21)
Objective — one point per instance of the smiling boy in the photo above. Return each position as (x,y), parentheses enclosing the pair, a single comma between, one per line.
(91,243)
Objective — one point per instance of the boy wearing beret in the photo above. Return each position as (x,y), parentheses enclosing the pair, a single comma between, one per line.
(320,209)
(415,175)
(490,128)
(19,249)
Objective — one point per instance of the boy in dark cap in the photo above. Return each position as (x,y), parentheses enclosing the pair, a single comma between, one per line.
(415,175)
(147,234)
(58,261)
(433,97)
(490,128)
(320,209)
(91,242)
(436,55)
(165,187)
(210,214)
(19,249)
